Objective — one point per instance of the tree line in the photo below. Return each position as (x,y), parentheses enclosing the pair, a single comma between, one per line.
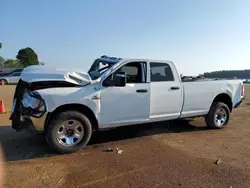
(241,74)
(25,57)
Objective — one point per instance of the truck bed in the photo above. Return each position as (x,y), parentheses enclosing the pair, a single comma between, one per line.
(199,95)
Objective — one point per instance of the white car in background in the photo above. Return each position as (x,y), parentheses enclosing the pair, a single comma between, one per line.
(246,81)
(12,78)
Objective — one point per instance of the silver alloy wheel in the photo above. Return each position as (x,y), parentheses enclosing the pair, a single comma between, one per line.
(70,133)
(220,117)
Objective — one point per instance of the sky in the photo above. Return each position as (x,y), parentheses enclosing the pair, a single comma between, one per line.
(198,35)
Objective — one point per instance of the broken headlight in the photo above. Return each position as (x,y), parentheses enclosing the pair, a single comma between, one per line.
(33,101)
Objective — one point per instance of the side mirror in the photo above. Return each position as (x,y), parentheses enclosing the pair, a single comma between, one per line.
(117,79)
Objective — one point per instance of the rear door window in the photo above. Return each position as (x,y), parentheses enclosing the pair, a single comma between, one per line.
(161,72)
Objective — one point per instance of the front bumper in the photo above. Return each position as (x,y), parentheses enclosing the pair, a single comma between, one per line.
(28,123)
(21,119)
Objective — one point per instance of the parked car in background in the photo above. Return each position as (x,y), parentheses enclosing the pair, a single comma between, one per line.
(246,81)
(3,72)
(11,78)
(8,72)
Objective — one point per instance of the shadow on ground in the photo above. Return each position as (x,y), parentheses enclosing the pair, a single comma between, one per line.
(24,145)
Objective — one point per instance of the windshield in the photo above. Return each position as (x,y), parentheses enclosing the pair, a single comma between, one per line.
(101,65)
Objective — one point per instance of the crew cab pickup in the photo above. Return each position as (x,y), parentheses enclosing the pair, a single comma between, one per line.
(67,105)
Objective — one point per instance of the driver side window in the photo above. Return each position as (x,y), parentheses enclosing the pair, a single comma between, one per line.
(135,71)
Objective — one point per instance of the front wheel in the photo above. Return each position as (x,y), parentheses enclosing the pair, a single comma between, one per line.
(68,132)
(218,116)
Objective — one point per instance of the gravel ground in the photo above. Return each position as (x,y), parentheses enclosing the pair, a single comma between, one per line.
(167,154)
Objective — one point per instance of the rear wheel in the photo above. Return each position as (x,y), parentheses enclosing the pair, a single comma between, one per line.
(218,116)
(69,132)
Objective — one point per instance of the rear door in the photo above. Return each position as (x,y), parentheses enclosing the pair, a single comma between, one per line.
(166,92)
(129,104)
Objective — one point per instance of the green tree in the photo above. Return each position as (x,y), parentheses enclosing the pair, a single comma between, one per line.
(13,63)
(1,45)
(27,56)
(2,60)
(9,63)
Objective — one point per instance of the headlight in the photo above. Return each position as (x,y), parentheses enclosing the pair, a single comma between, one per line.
(31,101)
(34,102)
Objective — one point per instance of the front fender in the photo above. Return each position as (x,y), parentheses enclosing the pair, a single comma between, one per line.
(88,96)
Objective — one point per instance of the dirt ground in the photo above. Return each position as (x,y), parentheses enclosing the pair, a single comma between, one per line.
(167,154)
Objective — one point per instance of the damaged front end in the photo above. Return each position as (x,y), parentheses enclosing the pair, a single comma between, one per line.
(29,109)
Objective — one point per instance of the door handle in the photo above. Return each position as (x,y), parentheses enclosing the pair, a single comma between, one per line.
(141,91)
(175,88)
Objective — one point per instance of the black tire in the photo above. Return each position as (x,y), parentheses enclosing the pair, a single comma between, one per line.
(4,81)
(53,126)
(210,117)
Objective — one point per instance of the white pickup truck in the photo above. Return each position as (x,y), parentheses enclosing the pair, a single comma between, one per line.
(67,105)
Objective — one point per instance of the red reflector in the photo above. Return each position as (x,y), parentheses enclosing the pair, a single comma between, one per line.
(243,90)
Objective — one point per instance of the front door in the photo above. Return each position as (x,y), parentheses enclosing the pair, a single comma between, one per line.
(129,104)
(166,92)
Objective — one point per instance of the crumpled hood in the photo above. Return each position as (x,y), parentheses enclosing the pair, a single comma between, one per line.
(37,73)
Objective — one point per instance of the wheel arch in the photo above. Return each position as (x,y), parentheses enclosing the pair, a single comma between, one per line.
(77,107)
(4,79)
(225,98)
